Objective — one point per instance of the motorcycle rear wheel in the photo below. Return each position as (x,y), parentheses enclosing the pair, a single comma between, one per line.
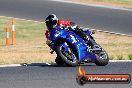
(102,58)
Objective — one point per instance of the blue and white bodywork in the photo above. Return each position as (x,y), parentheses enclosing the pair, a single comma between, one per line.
(72,49)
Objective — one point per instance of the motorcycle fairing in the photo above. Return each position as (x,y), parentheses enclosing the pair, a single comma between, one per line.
(76,41)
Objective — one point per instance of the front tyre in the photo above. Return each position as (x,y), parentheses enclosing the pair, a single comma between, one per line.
(59,61)
(68,57)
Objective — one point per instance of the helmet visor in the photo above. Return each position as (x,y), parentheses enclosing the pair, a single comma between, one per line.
(51,24)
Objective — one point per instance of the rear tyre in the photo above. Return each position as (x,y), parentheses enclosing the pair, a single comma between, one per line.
(101,62)
(102,58)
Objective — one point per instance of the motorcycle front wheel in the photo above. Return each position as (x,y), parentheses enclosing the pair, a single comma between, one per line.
(59,61)
(68,57)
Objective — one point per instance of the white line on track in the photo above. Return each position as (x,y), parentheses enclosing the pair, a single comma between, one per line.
(23,19)
(120,61)
(11,65)
(49,64)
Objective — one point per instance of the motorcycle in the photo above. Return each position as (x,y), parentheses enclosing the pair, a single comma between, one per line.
(72,50)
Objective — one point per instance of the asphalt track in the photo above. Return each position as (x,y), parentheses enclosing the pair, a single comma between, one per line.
(44,76)
(112,20)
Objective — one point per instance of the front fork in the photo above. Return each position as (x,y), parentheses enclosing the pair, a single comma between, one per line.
(64,45)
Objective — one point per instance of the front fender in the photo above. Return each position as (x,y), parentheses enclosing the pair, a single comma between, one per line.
(79,48)
(77,44)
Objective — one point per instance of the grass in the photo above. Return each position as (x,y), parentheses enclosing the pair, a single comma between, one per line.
(30,43)
(117,46)
(130,56)
(111,57)
(120,3)
(120,57)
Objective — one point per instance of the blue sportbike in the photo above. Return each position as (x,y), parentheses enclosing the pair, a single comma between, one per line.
(72,50)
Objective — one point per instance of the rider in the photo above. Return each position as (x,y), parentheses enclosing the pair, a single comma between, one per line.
(52,21)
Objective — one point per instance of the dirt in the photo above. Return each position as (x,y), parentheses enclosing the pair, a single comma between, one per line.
(118,4)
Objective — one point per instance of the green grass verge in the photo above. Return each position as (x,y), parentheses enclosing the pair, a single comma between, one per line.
(24,29)
(130,56)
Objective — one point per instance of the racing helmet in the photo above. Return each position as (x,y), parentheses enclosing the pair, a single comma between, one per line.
(51,21)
